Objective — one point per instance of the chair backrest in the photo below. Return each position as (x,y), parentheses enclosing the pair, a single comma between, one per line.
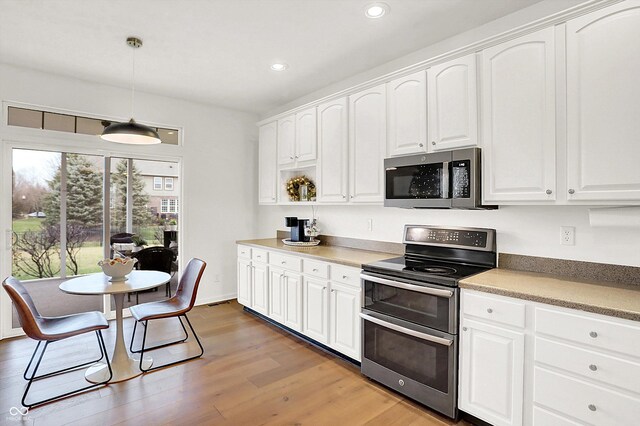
(189,282)
(155,259)
(28,314)
(122,238)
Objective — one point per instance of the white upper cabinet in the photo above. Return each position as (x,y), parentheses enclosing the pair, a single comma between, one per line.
(453,104)
(287,141)
(603,104)
(333,146)
(518,119)
(267,178)
(306,139)
(367,145)
(407,115)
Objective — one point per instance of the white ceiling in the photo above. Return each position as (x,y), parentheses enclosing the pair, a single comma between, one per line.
(219,51)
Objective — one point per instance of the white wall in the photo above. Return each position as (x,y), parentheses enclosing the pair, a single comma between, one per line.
(528,230)
(218,184)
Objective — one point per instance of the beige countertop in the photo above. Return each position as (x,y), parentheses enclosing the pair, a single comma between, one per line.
(335,254)
(604,298)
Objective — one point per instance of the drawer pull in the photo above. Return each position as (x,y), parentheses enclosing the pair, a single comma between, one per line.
(315,269)
(593,367)
(344,277)
(284,262)
(593,334)
(489,310)
(592,407)
(259,257)
(464,328)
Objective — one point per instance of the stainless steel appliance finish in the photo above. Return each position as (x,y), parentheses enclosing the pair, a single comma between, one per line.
(444,180)
(410,311)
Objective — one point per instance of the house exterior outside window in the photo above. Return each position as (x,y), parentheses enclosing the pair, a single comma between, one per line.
(157,183)
(164,206)
(168,184)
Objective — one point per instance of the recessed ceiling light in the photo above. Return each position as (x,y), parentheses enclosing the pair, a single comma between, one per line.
(376,10)
(279,66)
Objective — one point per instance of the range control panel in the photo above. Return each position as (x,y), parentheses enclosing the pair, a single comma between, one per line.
(478,238)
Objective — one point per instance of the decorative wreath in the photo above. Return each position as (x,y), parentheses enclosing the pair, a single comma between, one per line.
(293,188)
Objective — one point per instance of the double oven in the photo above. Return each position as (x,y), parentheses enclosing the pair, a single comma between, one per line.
(410,312)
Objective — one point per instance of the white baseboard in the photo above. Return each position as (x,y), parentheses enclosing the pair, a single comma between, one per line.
(216,299)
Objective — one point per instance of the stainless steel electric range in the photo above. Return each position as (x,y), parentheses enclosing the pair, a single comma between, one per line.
(410,311)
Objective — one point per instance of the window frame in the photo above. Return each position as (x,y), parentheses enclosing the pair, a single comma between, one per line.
(168,184)
(157,183)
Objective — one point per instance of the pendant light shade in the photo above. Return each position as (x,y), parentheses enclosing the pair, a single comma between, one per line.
(131,133)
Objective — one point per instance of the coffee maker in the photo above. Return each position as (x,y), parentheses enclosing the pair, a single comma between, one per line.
(298,227)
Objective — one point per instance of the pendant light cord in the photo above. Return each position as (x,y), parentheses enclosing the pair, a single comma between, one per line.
(133,80)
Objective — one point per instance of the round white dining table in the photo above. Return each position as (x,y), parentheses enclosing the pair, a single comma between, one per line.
(123,365)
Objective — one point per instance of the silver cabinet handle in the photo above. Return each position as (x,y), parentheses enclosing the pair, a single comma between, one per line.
(333,291)
(593,367)
(433,142)
(344,277)
(571,191)
(324,288)
(420,145)
(592,407)
(549,192)
(284,262)
(290,157)
(593,334)
(315,269)
(426,290)
(489,310)
(344,196)
(464,328)
(297,156)
(404,330)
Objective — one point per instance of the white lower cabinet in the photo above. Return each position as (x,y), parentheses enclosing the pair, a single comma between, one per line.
(557,367)
(318,299)
(315,307)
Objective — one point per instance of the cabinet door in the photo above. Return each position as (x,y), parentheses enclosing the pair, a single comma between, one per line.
(267,179)
(260,288)
(276,294)
(603,104)
(286,141)
(407,114)
(453,104)
(344,321)
(518,119)
(306,135)
(244,282)
(491,373)
(314,309)
(367,144)
(333,143)
(293,301)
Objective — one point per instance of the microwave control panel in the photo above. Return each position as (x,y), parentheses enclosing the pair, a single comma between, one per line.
(461,185)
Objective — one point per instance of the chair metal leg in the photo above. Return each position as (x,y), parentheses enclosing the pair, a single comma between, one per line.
(144,324)
(34,377)
(143,349)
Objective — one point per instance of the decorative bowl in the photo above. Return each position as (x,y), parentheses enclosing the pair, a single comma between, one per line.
(117,268)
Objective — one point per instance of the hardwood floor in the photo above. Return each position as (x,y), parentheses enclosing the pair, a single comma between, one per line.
(252,373)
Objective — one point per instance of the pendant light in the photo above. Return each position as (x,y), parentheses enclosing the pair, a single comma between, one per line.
(131,132)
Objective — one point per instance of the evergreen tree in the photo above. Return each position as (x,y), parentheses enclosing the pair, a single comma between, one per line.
(141,214)
(84,194)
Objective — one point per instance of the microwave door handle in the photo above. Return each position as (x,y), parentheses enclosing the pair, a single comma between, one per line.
(404,330)
(444,184)
(426,290)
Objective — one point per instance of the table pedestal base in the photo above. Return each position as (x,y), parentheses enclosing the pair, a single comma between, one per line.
(126,370)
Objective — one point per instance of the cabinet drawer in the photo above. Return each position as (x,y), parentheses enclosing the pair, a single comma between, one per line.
(493,308)
(244,252)
(345,275)
(315,269)
(589,403)
(285,261)
(545,418)
(259,255)
(599,333)
(589,364)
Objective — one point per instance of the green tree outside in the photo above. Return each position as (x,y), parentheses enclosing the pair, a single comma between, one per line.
(141,215)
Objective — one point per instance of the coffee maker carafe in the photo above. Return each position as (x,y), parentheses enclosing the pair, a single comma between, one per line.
(298,227)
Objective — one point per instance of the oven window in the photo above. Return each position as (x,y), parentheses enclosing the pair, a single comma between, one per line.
(424,309)
(420,181)
(412,357)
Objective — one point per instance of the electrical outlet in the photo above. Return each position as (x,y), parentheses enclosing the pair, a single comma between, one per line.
(370,224)
(567,235)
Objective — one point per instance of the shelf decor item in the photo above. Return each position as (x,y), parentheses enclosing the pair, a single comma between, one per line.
(293,188)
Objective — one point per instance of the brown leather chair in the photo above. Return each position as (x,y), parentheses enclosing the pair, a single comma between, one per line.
(52,329)
(178,306)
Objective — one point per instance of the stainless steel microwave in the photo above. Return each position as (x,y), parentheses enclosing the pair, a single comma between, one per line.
(439,180)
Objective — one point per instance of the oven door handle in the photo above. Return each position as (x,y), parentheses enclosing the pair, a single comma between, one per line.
(426,290)
(404,330)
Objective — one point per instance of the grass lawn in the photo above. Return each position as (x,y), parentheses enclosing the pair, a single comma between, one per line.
(29,224)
